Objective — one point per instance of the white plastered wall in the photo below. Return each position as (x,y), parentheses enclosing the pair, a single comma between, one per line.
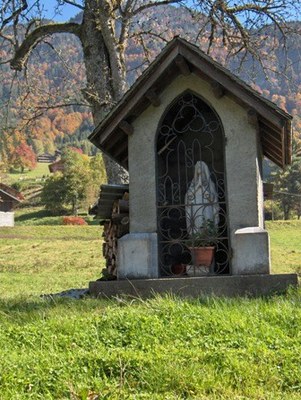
(7,218)
(242,159)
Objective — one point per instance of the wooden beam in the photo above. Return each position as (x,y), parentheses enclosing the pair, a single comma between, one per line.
(266,144)
(120,148)
(218,90)
(124,161)
(127,105)
(112,140)
(126,127)
(273,158)
(274,136)
(152,96)
(273,128)
(241,94)
(182,65)
(252,117)
(272,151)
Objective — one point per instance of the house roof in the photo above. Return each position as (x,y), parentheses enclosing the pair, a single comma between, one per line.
(56,166)
(11,192)
(182,57)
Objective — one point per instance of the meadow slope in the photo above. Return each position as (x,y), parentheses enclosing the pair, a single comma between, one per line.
(163,348)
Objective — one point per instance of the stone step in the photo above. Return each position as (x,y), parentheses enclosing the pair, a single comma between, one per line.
(221,286)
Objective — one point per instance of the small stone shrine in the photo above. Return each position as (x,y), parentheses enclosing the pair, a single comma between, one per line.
(193,137)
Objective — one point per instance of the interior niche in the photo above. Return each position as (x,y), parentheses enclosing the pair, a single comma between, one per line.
(190,139)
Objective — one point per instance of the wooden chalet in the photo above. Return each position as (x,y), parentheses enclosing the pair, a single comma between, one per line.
(9,198)
(46,158)
(57,166)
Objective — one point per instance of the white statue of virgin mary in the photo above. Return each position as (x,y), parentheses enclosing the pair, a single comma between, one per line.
(201,200)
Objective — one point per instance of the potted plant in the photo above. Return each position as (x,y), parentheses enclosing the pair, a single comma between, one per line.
(202,244)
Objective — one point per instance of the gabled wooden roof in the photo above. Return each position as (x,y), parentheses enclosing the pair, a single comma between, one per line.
(181,57)
(56,166)
(11,192)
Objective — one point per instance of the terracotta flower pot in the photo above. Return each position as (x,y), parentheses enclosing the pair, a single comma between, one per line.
(202,256)
(178,269)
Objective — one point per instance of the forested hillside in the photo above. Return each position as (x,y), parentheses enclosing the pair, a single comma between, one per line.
(45,108)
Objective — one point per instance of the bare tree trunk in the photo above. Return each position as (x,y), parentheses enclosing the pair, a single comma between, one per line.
(105,77)
(105,30)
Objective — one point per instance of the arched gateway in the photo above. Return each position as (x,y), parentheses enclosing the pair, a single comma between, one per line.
(191,189)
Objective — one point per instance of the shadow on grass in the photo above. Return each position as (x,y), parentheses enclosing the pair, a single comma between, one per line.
(34,306)
(45,217)
(39,217)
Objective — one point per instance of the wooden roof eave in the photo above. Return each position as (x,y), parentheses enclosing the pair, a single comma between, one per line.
(288,144)
(236,88)
(11,196)
(140,88)
(279,120)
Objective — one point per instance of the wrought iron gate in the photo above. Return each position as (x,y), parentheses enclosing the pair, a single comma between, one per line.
(191,199)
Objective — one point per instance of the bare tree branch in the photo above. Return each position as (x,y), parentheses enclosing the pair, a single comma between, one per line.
(72,3)
(36,36)
(15,14)
(154,4)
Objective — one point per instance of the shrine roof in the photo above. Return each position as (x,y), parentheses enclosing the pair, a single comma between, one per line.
(182,57)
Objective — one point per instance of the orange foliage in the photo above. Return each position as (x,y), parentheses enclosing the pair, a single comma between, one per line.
(68,123)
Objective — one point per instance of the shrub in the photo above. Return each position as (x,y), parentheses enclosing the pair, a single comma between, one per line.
(74,221)
(272,207)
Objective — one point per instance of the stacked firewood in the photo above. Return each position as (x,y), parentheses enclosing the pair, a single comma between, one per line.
(114,229)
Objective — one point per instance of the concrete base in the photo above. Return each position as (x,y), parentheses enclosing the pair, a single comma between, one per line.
(221,286)
(251,254)
(138,256)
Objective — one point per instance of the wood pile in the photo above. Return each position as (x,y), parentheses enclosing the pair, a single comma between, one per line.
(113,229)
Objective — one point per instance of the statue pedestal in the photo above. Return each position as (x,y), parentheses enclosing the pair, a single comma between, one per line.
(251,251)
(138,256)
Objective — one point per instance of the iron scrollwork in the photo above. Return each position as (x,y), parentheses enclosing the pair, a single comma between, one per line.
(190,138)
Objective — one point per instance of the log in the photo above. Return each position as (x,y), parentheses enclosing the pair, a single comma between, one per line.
(114,229)
(123,206)
(117,217)
(126,196)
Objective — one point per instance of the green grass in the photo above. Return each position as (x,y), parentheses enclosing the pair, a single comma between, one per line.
(47,259)
(285,246)
(32,216)
(35,216)
(17,176)
(163,348)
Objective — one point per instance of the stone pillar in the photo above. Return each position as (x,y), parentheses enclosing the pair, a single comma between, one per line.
(138,256)
(252,251)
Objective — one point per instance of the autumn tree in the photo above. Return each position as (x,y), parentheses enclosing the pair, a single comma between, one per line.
(23,157)
(77,185)
(288,184)
(53,195)
(108,25)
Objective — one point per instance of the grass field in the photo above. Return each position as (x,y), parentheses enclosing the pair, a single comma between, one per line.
(164,348)
(47,259)
(32,216)
(17,176)
(285,246)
